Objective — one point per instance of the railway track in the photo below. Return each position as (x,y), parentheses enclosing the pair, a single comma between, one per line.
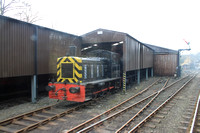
(112,109)
(194,127)
(135,128)
(34,119)
(37,118)
(108,116)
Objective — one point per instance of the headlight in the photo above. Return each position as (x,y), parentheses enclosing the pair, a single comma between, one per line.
(74,89)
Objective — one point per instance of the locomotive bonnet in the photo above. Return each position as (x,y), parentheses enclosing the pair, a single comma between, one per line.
(81,78)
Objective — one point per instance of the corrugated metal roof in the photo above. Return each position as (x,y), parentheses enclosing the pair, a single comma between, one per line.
(161,50)
(23,22)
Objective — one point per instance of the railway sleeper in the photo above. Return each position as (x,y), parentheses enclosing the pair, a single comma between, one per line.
(41,116)
(6,129)
(31,119)
(155,120)
(21,123)
(49,112)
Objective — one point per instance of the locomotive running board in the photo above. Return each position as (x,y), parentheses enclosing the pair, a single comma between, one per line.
(100,81)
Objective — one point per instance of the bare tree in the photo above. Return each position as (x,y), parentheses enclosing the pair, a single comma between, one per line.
(6,6)
(22,8)
(27,14)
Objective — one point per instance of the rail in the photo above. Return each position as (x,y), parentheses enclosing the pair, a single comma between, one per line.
(127,123)
(37,122)
(154,112)
(81,126)
(195,115)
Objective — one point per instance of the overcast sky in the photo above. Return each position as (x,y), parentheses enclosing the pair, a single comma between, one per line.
(158,22)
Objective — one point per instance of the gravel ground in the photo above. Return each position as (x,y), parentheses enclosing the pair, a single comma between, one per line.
(22,105)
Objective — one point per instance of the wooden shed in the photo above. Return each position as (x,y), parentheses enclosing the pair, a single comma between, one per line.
(27,49)
(165,61)
(134,54)
(136,58)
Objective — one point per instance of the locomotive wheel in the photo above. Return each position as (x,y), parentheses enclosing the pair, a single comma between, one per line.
(102,93)
(94,96)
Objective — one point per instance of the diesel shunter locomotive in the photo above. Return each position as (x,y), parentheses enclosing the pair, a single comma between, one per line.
(82,78)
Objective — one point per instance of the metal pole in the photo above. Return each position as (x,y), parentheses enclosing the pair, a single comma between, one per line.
(0,7)
(147,72)
(152,72)
(178,63)
(33,89)
(34,78)
(138,76)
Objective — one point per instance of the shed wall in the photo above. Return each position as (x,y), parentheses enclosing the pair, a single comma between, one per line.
(17,48)
(146,57)
(51,45)
(165,64)
(131,54)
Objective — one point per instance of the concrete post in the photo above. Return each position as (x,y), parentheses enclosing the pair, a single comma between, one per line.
(147,73)
(33,88)
(138,76)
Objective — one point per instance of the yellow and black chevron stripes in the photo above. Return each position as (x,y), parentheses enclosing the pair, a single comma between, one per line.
(124,82)
(76,70)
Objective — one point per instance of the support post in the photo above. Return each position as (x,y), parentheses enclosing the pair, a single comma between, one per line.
(33,88)
(34,77)
(147,73)
(124,82)
(138,76)
(178,63)
(152,72)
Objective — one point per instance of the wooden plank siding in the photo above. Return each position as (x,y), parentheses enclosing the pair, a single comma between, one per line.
(165,64)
